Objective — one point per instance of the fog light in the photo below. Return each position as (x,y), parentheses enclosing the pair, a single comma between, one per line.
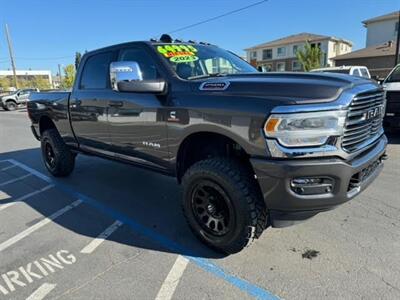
(312,185)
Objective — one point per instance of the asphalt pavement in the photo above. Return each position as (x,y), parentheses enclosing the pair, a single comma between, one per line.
(113,231)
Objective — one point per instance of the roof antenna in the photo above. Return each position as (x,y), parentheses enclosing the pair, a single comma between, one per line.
(166,38)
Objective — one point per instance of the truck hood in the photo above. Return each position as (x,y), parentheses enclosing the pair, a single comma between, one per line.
(295,88)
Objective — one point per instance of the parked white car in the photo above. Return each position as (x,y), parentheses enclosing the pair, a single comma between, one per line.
(392,87)
(359,71)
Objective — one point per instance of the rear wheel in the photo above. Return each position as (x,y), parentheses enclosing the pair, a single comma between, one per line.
(58,159)
(223,205)
(10,105)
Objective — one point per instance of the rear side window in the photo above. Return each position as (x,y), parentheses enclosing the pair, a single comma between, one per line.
(356,73)
(145,61)
(364,73)
(95,73)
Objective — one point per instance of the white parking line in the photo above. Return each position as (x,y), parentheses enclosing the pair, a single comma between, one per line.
(171,282)
(38,225)
(42,291)
(22,198)
(7,168)
(101,238)
(15,180)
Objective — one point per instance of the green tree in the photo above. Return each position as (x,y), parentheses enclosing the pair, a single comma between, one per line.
(69,76)
(309,57)
(5,83)
(78,57)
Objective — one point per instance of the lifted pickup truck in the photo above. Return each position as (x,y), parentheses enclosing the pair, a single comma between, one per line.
(18,98)
(252,150)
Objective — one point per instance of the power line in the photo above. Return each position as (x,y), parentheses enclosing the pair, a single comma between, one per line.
(45,58)
(217,17)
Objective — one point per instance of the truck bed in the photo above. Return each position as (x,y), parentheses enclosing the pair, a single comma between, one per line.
(54,104)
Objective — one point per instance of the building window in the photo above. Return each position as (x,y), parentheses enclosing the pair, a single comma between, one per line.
(396,27)
(295,49)
(280,67)
(296,66)
(267,54)
(253,55)
(281,51)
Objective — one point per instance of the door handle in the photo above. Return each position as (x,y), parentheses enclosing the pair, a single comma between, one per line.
(116,103)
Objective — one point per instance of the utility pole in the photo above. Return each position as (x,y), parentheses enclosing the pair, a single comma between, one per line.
(59,75)
(396,60)
(10,49)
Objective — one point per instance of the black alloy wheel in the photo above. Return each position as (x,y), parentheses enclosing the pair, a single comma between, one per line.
(212,208)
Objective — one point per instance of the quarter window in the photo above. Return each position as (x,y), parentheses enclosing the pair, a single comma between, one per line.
(95,73)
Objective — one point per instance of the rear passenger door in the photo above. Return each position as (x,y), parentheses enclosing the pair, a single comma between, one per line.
(89,103)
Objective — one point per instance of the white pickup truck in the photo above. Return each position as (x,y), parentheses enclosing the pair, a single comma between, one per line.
(13,100)
(359,71)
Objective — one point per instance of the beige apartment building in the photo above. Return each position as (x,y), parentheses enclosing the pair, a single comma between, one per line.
(280,55)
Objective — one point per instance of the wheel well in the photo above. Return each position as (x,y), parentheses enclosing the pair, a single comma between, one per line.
(45,123)
(203,145)
(10,100)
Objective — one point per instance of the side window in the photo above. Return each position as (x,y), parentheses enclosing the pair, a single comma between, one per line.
(145,61)
(95,74)
(364,73)
(395,76)
(356,73)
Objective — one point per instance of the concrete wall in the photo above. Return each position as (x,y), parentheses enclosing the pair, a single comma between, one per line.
(381,32)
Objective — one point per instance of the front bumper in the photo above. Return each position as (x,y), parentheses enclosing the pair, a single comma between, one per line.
(288,207)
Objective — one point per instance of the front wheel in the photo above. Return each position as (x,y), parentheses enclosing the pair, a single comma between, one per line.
(58,159)
(223,205)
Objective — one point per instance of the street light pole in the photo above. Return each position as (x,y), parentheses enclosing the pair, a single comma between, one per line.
(396,60)
(10,49)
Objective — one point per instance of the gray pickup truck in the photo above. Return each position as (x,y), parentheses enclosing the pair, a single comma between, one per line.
(16,99)
(251,150)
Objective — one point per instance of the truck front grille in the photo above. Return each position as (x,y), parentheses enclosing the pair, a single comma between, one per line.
(364,120)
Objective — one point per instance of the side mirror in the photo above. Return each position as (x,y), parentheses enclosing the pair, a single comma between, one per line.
(126,76)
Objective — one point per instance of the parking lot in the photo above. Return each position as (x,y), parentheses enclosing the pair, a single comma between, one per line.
(112,231)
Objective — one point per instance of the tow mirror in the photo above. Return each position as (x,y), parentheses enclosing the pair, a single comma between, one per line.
(126,76)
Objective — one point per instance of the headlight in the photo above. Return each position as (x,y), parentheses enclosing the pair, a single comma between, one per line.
(305,129)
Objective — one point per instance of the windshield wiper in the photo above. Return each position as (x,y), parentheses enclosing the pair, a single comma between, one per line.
(217,74)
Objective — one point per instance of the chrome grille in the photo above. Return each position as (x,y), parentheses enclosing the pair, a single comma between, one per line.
(362,126)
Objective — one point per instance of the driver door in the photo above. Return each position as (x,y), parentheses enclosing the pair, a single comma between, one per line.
(137,128)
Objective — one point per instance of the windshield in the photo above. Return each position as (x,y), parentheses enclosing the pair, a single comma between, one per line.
(198,61)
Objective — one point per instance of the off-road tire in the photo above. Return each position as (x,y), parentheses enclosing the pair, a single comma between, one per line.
(238,183)
(64,159)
